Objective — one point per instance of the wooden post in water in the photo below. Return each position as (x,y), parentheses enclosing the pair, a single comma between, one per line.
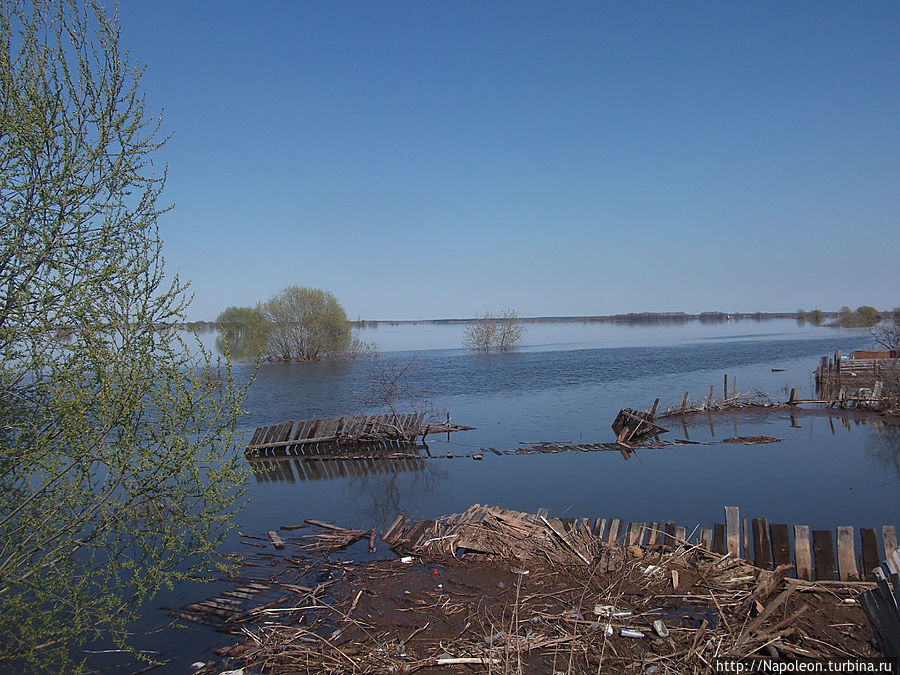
(725,388)
(711,389)
(734,384)
(793,396)
(684,402)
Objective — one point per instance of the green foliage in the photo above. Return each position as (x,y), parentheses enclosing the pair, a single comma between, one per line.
(488,332)
(816,317)
(864,316)
(868,316)
(305,324)
(243,331)
(118,457)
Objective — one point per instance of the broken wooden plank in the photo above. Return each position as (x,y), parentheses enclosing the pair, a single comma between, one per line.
(846,554)
(706,538)
(668,542)
(612,537)
(719,539)
(634,534)
(653,532)
(870,558)
(781,544)
(802,555)
(733,531)
(277,541)
(823,555)
(889,538)
(762,556)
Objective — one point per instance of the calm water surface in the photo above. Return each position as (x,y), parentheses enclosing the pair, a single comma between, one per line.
(566,383)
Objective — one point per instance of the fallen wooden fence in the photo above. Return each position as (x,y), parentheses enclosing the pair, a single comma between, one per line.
(490,530)
(323,436)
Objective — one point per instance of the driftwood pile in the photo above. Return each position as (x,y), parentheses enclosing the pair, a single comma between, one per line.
(507,592)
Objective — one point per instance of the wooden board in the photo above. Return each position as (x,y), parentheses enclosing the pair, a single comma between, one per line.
(870,557)
(846,554)
(719,538)
(615,525)
(823,555)
(746,536)
(653,535)
(889,537)
(733,531)
(599,528)
(680,536)
(762,556)
(781,544)
(802,556)
(669,536)
(706,538)
(634,534)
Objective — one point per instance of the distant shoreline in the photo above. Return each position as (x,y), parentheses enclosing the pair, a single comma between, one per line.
(633,318)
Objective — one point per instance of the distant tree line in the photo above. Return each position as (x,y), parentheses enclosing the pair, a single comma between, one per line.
(298,324)
(864,316)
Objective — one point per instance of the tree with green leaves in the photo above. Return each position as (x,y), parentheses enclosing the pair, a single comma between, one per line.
(119,464)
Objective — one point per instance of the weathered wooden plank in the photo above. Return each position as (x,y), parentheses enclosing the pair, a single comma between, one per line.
(706,538)
(255,438)
(762,556)
(286,431)
(568,524)
(668,542)
(653,535)
(889,539)
(277,541)
(781,544)
(847,554)
(870,557)
(613,535)
(634,534)
(680,536)
(823,555)
(719,538)
(733,531)
(802,556)
(746,539)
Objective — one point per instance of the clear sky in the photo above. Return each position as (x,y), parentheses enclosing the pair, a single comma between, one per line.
(443,159)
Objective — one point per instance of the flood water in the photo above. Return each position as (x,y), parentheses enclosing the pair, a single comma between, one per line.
(566,383)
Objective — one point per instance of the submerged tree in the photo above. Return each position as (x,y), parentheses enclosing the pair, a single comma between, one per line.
(118,462)
(243,332)
(489,332)
(305,324)
(299,324)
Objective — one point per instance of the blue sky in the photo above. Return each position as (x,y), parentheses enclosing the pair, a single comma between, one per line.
(443,159)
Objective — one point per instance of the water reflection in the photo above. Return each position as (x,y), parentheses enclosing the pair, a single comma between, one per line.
(884,446)
(881,436)
(291,468)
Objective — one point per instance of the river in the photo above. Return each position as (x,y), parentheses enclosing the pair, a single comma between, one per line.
(566,382)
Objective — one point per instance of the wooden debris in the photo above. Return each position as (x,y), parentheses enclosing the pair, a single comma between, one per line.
(496,588)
